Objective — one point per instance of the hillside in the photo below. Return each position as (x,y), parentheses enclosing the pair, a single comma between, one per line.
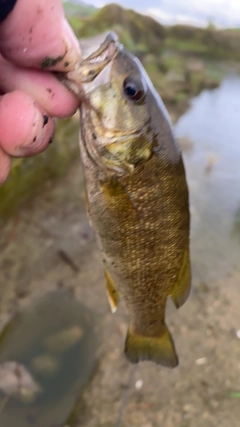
(206,42)
(77,12)
(80,9)
(135,30)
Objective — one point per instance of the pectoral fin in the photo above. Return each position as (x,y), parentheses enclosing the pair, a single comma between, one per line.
(159,349)
(182,286)
(112,292)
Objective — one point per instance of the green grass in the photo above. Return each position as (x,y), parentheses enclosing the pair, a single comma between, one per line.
(151,67)
(185,46)
(78,9)
(75,21)
(234,395)
(172,62)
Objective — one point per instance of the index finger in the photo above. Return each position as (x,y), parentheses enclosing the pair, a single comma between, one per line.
(36,34)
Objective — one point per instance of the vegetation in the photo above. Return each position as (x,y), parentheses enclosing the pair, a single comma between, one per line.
(79,10)
(205,42)
(141,31)
(28,176)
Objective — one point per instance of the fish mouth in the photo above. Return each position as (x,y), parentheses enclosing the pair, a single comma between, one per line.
(95,46)
(93,70)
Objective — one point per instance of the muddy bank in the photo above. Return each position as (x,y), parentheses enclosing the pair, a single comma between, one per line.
(200,392)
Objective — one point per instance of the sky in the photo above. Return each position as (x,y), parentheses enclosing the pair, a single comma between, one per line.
(223,13)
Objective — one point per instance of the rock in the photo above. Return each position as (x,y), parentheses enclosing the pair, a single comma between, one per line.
(16,380)
(45,364)
(64,339)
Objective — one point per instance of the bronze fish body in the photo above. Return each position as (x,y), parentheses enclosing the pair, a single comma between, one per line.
(137,201)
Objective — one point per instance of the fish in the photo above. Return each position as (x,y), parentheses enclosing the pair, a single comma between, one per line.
(136,195)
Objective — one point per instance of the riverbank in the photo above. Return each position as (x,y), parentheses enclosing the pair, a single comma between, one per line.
(48,248)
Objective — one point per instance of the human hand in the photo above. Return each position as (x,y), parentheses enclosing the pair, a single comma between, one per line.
(34,37)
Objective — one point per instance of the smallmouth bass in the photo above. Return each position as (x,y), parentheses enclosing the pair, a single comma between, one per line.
(136,195)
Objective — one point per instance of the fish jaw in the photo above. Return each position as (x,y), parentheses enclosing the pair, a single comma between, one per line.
(97,52)
(117,154)
(100,147)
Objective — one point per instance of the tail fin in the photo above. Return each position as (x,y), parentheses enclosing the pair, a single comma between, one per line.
(158,349)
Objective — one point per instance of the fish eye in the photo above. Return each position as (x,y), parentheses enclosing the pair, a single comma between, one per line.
(133,89)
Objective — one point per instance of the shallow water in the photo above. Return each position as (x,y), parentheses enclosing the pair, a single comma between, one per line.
(212,124)
(56,342)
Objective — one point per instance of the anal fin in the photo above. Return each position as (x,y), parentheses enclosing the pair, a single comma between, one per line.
(112,292)
(182,286)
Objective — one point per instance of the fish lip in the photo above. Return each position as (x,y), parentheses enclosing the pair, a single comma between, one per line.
(89,47)
(102,52)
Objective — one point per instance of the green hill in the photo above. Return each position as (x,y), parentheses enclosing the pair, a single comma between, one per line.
(77,12)
(81,9)
(136,31)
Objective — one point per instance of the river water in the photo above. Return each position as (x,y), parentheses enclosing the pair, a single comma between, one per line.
(212,124)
